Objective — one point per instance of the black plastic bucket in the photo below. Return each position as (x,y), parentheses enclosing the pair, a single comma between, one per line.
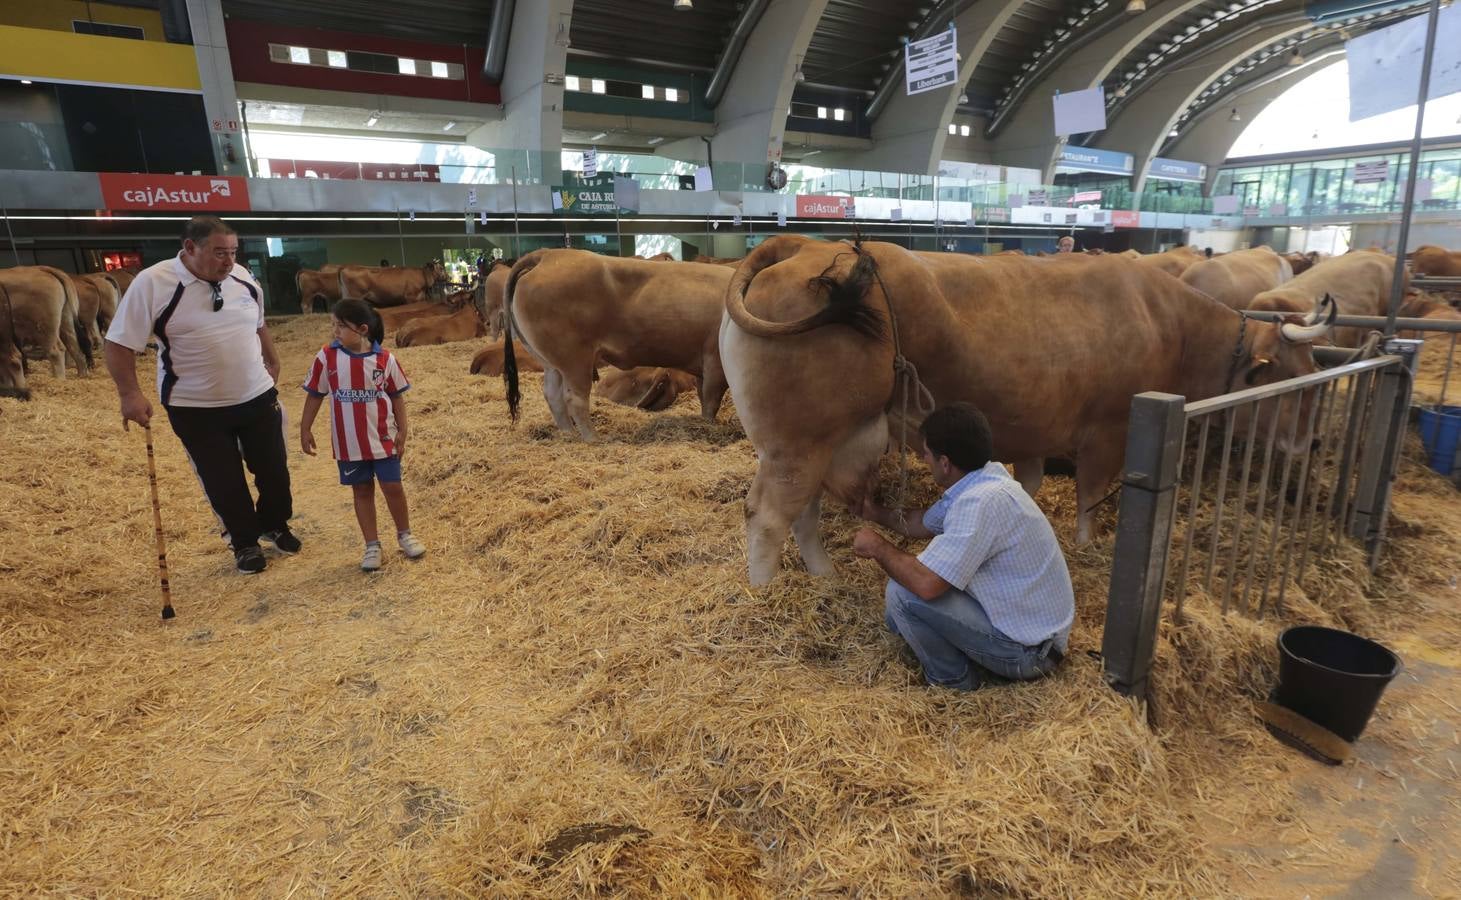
(1332,677)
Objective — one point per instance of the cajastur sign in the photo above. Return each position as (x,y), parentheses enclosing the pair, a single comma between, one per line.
(812,206)
(189,193)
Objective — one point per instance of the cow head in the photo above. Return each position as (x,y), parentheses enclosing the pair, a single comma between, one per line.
(1279,351)
(12,373)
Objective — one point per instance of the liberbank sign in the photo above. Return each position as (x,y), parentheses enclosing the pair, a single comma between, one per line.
(191,193)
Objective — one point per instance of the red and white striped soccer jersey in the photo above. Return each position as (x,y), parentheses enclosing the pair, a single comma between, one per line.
(360,386)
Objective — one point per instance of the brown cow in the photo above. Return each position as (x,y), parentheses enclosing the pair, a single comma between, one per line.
(576,309)
(1174,262)
(322,283)
(124,279)
(391,285)
(1052,351)
(731,261)
(491,291)
(1303,262)
(648,388)
(46,316)
(88,305)
(111,291)
(12,359)
(1429,259)
(1234,279)
(393,317)
(1358,282)
(462,325)
(488,360)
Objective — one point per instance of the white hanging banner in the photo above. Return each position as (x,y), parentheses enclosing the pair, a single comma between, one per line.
(1384,65)
(482,217)
(932,62)
(626,193)
(896,214)
(1078,112)
(471,196)
(703,181)
(781,218)
(1225,205)
(1372,172)
(591,162)
(736,220)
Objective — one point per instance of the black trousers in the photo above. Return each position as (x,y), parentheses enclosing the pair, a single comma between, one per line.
(221,441)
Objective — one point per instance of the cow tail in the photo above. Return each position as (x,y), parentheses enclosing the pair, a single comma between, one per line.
(509,355)
(306,304)
(340,276)
(10,317)
(846,296)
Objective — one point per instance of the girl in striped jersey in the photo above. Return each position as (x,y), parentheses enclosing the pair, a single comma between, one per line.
(368,429)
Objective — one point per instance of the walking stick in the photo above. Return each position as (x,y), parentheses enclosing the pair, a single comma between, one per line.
(167,611)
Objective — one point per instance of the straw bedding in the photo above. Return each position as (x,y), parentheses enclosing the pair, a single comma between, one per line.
(574,693)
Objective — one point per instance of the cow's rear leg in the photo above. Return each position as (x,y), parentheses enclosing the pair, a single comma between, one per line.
(1095,468)
(557,403)
(57,356)
(577,387)
(1030,473)
(809,540)
(713,386)
(781,491)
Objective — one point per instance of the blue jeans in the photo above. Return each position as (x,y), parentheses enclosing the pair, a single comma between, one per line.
(951,630)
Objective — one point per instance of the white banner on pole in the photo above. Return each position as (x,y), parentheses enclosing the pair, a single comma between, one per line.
(591,162)
(1077,112)
(703,180)
(932,62)
(1384,65)
(626,193)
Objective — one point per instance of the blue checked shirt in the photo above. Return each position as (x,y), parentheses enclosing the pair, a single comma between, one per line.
(992,542)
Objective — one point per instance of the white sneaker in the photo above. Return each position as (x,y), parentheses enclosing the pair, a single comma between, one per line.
(370,562)
(410,546)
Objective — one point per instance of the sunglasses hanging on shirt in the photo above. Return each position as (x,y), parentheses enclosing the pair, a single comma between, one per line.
(217,295)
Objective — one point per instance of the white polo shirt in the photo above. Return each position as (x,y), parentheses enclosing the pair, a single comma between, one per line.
(204,358)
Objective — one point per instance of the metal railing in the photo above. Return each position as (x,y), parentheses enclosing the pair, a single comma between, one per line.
(1276,477)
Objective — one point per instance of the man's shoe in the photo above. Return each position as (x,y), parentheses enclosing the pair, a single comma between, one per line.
(283,540)
(250,560)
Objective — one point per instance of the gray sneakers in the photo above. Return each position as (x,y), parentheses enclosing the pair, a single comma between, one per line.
(410,546)
(370,562)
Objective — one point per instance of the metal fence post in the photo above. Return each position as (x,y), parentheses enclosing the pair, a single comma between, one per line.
(1383,446)
(1143,534)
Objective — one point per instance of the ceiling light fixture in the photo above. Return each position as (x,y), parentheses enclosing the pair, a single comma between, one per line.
(25,81)
(1120,92)
(1172,133)
(600,136)
(448,126)
(810,153)
(799,75)
(1297,59)
(370,122)
(1135,7)
(1235,117)
(683,6)
(963,98)
(656,140)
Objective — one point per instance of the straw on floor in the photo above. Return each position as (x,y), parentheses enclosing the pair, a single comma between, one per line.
(575,693)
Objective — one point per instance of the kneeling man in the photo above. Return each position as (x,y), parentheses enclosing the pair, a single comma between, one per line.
(990,592)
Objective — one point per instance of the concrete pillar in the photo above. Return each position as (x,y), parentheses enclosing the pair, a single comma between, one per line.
(751,118)
(1142,123)
(215,73)
(910,134)
(1028,140)
(529,137)
(1211,135)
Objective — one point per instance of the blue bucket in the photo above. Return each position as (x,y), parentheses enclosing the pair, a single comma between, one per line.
(1440,431)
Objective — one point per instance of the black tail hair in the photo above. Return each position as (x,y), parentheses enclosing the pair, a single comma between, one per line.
(83,340)
(846,303)
(509,355)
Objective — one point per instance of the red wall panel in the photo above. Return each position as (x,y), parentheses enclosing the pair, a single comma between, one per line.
(248,46)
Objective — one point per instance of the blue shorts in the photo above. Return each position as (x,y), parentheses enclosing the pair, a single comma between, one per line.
(362,471)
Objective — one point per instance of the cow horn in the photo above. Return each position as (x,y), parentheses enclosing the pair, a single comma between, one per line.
(1313,329)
